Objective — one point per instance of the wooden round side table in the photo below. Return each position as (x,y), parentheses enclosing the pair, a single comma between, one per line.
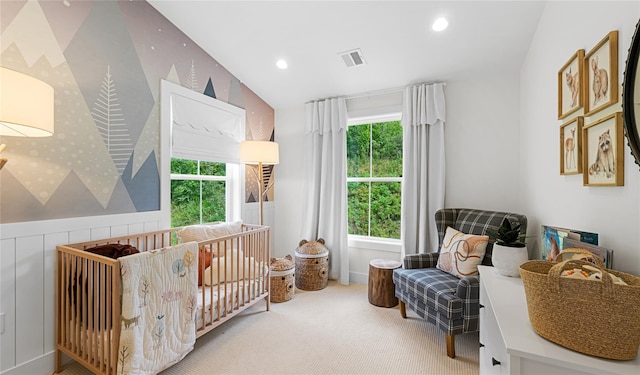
(381,288)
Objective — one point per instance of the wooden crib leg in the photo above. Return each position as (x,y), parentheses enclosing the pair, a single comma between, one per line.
(58,363)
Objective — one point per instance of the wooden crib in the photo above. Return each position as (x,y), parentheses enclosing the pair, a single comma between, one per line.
(88,297)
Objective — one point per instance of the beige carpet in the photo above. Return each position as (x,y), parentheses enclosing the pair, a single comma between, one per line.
(331,331)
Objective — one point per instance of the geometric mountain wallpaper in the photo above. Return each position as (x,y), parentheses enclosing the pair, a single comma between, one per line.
(105,60)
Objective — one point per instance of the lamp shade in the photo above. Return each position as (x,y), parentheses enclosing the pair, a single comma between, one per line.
(254,152)
(26,105)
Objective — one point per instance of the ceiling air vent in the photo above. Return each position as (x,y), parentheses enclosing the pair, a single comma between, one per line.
(353,57)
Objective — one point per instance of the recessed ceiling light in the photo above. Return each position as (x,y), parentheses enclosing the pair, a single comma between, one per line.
(282,64)
(440,24)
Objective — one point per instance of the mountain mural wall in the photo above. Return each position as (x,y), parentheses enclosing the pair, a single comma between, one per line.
(105,60)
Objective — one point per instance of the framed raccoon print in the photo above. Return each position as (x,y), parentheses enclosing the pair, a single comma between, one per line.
(571,146)
(601,75)
(603,159)
(570,87)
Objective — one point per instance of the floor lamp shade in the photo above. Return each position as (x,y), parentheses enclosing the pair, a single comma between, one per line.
(26,105)
(256,152)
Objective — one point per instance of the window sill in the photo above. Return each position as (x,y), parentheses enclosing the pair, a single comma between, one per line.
(375,243)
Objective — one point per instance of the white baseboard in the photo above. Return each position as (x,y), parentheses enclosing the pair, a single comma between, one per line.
(38,366)
(358,278)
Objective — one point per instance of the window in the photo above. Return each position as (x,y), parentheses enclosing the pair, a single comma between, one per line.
(374,177)
(198,192)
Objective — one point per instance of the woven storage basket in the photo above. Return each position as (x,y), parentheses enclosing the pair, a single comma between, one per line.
(312,265)
(282,279)
(597,318)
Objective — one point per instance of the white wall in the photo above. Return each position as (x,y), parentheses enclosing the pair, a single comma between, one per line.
(546,196)
(289,177)
(482,143)
(481,135)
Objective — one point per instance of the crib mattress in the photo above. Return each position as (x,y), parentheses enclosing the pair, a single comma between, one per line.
(225,298)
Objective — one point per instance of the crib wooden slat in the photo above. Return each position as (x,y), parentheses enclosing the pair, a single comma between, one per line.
(114,316)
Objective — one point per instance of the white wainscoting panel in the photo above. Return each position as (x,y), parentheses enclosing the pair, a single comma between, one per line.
(8,303)
(29,286)
(50,242)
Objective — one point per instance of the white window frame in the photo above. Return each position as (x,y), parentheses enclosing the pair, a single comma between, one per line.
(368,242)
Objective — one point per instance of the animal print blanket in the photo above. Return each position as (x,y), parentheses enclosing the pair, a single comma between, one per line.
(158,308)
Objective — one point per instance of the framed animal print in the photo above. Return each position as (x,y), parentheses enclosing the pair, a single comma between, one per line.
(602,148)
(571,146)
(570,88)
(601,75)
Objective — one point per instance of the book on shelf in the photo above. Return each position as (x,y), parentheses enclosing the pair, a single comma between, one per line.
(553,240)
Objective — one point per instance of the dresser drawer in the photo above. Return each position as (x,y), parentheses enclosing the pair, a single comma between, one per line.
(493,353)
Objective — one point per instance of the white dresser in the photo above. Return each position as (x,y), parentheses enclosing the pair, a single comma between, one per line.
(509,345)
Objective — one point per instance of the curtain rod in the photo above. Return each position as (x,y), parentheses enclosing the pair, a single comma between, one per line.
(387,91)
(380,92)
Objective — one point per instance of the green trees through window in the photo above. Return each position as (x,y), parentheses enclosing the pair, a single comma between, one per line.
(198,192)
(374,178)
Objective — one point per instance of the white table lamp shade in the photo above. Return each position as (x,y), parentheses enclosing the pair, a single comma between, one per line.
(26,105)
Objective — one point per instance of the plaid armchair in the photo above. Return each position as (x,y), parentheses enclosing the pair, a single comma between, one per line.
(437,296)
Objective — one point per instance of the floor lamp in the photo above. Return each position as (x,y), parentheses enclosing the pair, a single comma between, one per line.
(26,107)
(260,153)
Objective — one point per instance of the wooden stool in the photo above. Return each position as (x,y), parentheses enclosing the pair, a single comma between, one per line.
(381,288)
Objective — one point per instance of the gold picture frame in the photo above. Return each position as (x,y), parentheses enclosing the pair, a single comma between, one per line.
(570,87)
(601,75)
(571,146)
(602,150)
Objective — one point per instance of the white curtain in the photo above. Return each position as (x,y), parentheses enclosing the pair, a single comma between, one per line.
(325,184)
(423,118)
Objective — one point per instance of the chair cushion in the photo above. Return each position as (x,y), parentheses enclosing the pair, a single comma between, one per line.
(461,253)
(435,288)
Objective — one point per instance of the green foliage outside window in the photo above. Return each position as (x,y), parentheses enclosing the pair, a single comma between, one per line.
(386,146)
(186,206)
(374,151)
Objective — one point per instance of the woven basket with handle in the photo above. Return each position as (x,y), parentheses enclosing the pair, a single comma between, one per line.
(582,254)
(594,317)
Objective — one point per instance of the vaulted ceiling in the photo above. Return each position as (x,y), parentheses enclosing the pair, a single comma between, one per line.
(395,37)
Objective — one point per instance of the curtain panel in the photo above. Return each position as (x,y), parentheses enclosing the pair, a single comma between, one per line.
(325,184)
(423,188)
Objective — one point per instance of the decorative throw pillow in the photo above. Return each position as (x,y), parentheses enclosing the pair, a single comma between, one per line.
(203,232)
(203,257)
(461,253)
(248,269)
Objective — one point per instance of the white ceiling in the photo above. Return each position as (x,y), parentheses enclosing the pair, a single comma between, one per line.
(248,37)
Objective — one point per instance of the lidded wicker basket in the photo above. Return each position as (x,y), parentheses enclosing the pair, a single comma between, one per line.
(312,265)
(593,317)
(282,279)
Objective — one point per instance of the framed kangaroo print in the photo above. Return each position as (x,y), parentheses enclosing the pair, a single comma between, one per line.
(603,162)
(571,146)
(601,75)
(570,91)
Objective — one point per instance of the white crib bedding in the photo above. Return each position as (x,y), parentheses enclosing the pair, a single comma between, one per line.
(229,292)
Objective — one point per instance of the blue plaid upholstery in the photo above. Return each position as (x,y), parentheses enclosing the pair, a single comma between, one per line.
(471,221)
(437,296)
